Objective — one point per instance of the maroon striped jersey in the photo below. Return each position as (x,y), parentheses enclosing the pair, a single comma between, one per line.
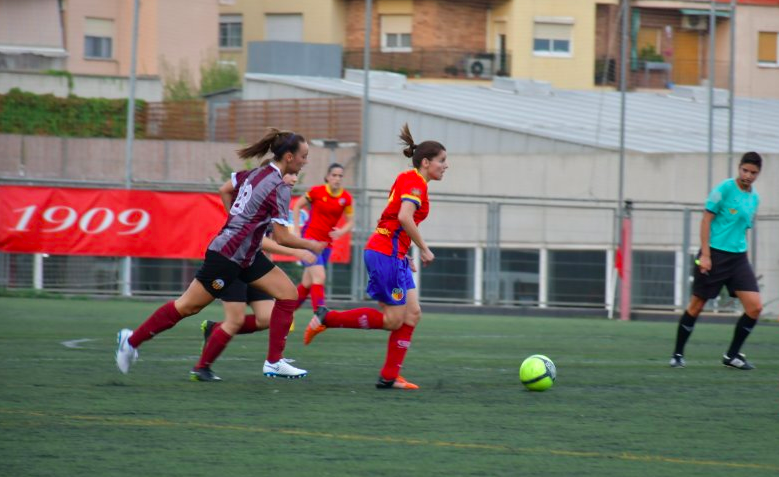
(262,197)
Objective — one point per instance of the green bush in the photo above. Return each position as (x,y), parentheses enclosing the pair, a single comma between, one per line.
(48,115)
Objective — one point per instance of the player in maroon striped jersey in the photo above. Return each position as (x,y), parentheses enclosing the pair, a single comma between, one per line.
(262,203)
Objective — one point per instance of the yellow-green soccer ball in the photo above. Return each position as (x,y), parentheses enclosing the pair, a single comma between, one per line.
(537,373)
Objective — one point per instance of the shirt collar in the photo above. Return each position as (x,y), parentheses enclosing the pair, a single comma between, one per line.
(330,191)
(420,175)
(277,169)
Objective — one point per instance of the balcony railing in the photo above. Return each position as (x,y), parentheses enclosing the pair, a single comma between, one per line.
(435,63)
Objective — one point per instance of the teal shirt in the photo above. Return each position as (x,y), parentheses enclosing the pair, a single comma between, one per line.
(733,211)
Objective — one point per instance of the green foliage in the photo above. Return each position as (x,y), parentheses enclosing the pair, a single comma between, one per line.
(648,53)
(48,115)
(216,77)
(177,82)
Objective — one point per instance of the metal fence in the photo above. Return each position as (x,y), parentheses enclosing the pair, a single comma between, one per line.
(507,252)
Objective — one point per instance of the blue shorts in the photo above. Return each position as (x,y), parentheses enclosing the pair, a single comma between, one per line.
(321,259)
(389,278)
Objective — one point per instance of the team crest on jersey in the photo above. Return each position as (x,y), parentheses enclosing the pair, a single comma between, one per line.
(341,201)
(218,284)
(397,294)
(733,211)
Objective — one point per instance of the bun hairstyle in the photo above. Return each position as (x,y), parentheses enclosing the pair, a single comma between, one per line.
(276,141)
(417,152)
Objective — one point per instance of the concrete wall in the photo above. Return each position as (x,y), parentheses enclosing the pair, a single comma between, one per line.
(148,89)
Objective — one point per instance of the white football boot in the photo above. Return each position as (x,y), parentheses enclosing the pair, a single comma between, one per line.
(126,355)
(282,369)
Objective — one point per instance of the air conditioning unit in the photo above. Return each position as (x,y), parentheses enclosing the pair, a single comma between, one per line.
(695,22)
(479,68)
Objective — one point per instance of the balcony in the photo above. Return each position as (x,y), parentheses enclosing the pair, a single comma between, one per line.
(435,63)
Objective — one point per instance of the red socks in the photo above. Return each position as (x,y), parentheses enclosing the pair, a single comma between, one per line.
(280,321)
(364,318)
(302,295)
(398,345)
(317,296)
(164,318)
(217,342)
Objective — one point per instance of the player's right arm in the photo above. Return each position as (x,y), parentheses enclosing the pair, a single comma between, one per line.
(406,219)
(705,259)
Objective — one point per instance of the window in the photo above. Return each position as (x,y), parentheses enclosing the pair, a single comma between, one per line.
(767,44)
(552,37)
(98,38)
(519,276)
(653,277)
(396,33)
(450,276)
(288,27)
(230,31)
(577,276)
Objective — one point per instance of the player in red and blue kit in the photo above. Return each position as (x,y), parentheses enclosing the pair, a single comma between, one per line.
(327,203)
(262,203)
(390,280)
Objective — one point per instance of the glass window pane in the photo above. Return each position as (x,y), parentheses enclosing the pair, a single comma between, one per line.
(577,276)
(561,46)
(450,276)
(392,40)
(405,40)
(519,276)
(541,44)
(653,277)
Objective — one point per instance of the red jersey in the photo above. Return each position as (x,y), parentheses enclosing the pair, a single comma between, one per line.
(325,211)
(389,237)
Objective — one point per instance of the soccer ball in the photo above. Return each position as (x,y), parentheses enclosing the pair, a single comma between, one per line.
(537,373)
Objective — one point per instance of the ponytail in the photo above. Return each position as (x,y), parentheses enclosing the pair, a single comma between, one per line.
(417,152)
(276,141)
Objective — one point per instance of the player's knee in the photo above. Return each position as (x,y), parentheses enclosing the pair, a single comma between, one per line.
(754,311)
(188,309)
(392,323)
(413,315)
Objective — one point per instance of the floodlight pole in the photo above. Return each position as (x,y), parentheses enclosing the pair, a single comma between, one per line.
(623,72)
(126,282)
(712,46)
(362,182)
(731,84)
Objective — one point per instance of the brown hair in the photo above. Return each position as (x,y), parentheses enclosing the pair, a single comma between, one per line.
(417,152)
(276,141)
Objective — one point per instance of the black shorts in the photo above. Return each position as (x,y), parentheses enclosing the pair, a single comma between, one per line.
(240,292)
(727,268)
(218,272)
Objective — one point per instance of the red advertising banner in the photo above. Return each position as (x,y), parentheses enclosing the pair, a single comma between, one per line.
(108,222)
(342,251)
(114,222)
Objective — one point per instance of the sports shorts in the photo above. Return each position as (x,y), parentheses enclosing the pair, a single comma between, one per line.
(389,278)
(218,272)
(728,269)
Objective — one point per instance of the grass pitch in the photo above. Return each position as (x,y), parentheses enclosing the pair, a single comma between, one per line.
(616,409)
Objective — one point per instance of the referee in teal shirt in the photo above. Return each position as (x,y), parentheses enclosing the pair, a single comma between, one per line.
(722,260)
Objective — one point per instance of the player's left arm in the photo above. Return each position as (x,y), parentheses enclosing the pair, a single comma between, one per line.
(270,245)
(226,194)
